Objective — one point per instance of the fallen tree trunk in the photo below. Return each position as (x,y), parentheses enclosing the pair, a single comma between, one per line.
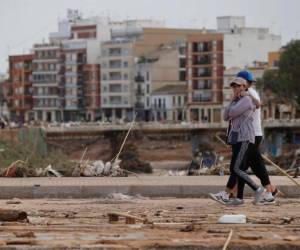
(12,215)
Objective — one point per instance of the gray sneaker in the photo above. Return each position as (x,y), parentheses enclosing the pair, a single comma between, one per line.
(235,202)
(258,195)
(221,197)
(267,199)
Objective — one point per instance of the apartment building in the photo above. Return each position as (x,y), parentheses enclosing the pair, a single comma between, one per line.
(143,89)
(19,92)
(117,88)
(245,45)
(48,82)
(75,59)
(92,91)
(205,77)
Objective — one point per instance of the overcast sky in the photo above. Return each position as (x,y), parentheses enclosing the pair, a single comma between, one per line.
(24,22)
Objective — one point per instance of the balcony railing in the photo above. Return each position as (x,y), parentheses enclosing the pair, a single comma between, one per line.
(139,78)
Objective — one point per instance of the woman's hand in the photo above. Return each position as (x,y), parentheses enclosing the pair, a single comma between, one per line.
(244,93)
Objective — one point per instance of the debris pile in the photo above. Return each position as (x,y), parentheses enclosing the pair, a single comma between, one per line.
(18,169)
(206,162)
(24,160)
(99,168)
(131,160)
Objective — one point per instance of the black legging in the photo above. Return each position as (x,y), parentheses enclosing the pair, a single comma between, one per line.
(254,160)
(238,166)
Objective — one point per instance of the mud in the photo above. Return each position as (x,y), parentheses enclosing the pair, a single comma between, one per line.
(177,224)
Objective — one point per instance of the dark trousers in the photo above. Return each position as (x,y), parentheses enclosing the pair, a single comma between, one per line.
(256,162)
(238,166)
(253,159)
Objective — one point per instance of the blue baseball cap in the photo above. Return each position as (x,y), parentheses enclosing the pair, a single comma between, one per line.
(247,75)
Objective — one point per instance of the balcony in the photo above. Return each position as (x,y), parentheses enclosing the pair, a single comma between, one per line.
(202,74)
(202,47)
(139,78)
(115,64)
(139,105)
(115,52)
(202,84)
(202,60)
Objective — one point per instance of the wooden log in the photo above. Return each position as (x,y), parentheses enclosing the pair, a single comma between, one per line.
(12,215)
(130,219)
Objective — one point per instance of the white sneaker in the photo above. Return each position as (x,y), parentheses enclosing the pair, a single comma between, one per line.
(267,198)
(258,195)
(222,197)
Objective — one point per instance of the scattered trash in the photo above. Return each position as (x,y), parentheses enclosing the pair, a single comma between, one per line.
(99,168)
(120,196)
(286,220)
(24,234)
(250,236)
(233,219)
(50,172)
(188,228)
(20,242)
(14,201)
(260,221)
(217,231)
(228,240)
(291,238)
(129,219)
(12,215)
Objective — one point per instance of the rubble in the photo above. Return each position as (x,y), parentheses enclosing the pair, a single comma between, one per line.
(99,168)
(12,215)
(49,171)
(24,234)
(14,201)
(18,169)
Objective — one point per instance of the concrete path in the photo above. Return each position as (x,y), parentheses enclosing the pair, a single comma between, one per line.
(149,186)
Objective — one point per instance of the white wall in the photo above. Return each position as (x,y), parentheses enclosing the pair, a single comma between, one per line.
(93,52)
(226,23)
(242,49)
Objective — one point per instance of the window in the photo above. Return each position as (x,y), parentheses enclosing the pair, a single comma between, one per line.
(125,76)
(125,64)
(104,77)
(125,52)
(179,100)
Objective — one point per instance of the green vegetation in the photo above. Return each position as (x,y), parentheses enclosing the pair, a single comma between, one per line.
(285,81)
(33,150)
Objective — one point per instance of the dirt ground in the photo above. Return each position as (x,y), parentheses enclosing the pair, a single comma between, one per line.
(177,224)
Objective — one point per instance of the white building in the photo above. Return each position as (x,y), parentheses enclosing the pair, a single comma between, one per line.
(117,80)
(169,103)
(243,45)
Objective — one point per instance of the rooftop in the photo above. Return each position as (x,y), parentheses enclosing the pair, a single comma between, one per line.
(171,89)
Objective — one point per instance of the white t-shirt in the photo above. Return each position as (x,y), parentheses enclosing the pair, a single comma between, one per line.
(256,114)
